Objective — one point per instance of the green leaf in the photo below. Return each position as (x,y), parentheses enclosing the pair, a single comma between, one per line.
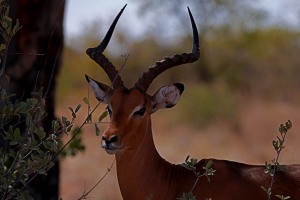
(150,197)
(282,129)
(75,145)
(97,130)
(7,21)
(187,158)
(2,47)
(187,196)
(267,190)
(102,116)
(13,142)
(40,133)
(190,163)
(34,148)
(268,168)
(16,27)
(34,142)
(17,135)
(77,108)
(71,109)
(283,197)
(65,121)
(55,125)
(7,11)
(209,164)
(11,130)
(73,112)
(69,128)
(275,144)
(86,101)
(288,124)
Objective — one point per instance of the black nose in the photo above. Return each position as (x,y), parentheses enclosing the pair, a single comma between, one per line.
(110,140)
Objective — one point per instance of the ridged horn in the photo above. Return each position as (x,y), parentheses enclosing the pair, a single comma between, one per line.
(96,54)
(168,62)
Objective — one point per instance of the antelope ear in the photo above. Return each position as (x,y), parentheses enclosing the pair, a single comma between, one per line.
(102,91)
(166,97)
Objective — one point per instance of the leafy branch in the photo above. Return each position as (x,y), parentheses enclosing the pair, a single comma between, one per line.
(27,149)
(190,164)
(7,31)
(271,169)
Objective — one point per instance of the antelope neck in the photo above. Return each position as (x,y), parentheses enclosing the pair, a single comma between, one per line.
(141,169)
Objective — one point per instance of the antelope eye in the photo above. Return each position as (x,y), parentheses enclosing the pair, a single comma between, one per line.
(108,110)
(140,112)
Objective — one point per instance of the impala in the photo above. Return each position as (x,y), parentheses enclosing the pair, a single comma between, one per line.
(141,171)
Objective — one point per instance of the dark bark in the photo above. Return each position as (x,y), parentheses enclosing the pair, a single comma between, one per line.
(39,51)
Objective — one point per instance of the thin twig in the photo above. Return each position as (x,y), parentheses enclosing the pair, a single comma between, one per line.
(59,10)
(85,194)
(53,70)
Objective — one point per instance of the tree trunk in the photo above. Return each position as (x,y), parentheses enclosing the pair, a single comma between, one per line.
(33,62)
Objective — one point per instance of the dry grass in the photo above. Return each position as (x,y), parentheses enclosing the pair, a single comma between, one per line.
(247,140)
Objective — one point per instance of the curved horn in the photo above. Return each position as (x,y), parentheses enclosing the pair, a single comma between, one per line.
(169,62)
(96,55)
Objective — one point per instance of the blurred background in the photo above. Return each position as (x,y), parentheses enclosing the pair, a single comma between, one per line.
(244,86)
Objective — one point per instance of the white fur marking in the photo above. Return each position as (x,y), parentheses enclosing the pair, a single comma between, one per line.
(99,93)
(139,107)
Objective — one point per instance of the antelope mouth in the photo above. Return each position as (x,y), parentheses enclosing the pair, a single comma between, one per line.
(111,151)
(111,148)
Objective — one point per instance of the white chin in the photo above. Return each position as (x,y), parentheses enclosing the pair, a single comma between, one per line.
(110,151)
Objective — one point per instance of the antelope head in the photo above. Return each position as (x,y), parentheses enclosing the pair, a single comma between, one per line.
(130,109)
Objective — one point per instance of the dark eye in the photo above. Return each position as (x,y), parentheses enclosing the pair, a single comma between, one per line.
(108,110)
(140,112)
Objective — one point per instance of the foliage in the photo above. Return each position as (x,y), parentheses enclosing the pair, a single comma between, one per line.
(230,14)
(252,61)
(190,164)
(25,153)
(187,196)
(76,145)
(150,197)
(26,149)
(202,105)
(7,31)
(271,169)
